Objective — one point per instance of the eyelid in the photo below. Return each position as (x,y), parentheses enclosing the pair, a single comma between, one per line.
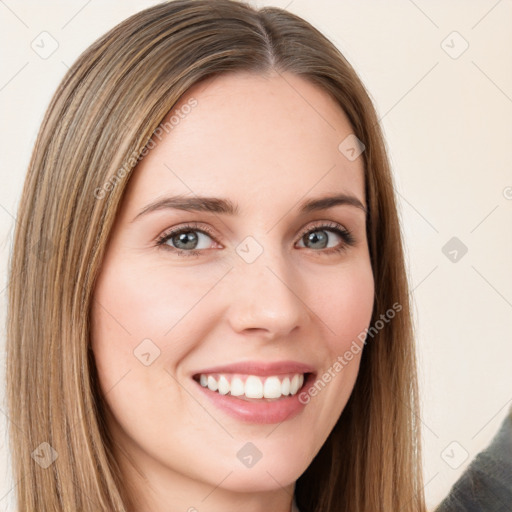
(321,224)
(188,226)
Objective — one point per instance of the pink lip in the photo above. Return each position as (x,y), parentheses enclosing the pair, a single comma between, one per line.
(262,369)
(262,411)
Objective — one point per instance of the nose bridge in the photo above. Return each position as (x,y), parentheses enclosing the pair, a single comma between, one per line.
(265,294)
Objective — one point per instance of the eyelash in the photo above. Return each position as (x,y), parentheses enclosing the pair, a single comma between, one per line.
(345,234)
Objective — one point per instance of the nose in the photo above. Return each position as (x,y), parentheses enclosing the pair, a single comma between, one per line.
(266,298)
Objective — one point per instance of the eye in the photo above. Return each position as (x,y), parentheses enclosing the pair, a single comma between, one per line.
(190,240)
(321,238)
(186,240)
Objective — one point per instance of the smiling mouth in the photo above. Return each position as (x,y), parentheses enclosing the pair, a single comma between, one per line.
(254,388)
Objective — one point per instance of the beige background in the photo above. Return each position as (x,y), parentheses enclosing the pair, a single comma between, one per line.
(447,117)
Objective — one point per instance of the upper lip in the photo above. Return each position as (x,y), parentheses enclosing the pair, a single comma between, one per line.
(260,368)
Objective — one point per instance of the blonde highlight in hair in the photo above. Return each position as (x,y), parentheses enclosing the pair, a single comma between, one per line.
(105,110)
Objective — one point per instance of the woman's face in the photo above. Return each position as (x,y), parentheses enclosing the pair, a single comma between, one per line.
(192,295)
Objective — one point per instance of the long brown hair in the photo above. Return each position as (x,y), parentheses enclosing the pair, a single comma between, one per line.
(103,114)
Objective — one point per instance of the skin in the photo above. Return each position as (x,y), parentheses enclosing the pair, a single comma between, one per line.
(266,143)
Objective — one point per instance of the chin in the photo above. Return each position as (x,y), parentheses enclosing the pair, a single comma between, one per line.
(276,472)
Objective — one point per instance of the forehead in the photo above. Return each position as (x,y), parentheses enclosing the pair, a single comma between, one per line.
(251,138)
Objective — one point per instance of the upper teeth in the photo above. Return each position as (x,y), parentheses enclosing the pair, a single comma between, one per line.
(253,386)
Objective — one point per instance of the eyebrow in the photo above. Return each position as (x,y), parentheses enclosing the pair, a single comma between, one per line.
(227,207)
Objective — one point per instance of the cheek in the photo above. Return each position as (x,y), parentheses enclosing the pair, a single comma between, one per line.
(345,305)
(135,312)
(134,302)
(144,323)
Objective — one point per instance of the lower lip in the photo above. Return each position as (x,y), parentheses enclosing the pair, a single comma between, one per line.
(262,411)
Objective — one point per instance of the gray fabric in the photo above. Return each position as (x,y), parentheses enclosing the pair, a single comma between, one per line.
(486,484)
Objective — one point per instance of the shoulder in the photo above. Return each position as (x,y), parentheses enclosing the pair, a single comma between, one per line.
(486,485)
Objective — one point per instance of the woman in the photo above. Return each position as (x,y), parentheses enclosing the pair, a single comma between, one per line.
(208,303)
